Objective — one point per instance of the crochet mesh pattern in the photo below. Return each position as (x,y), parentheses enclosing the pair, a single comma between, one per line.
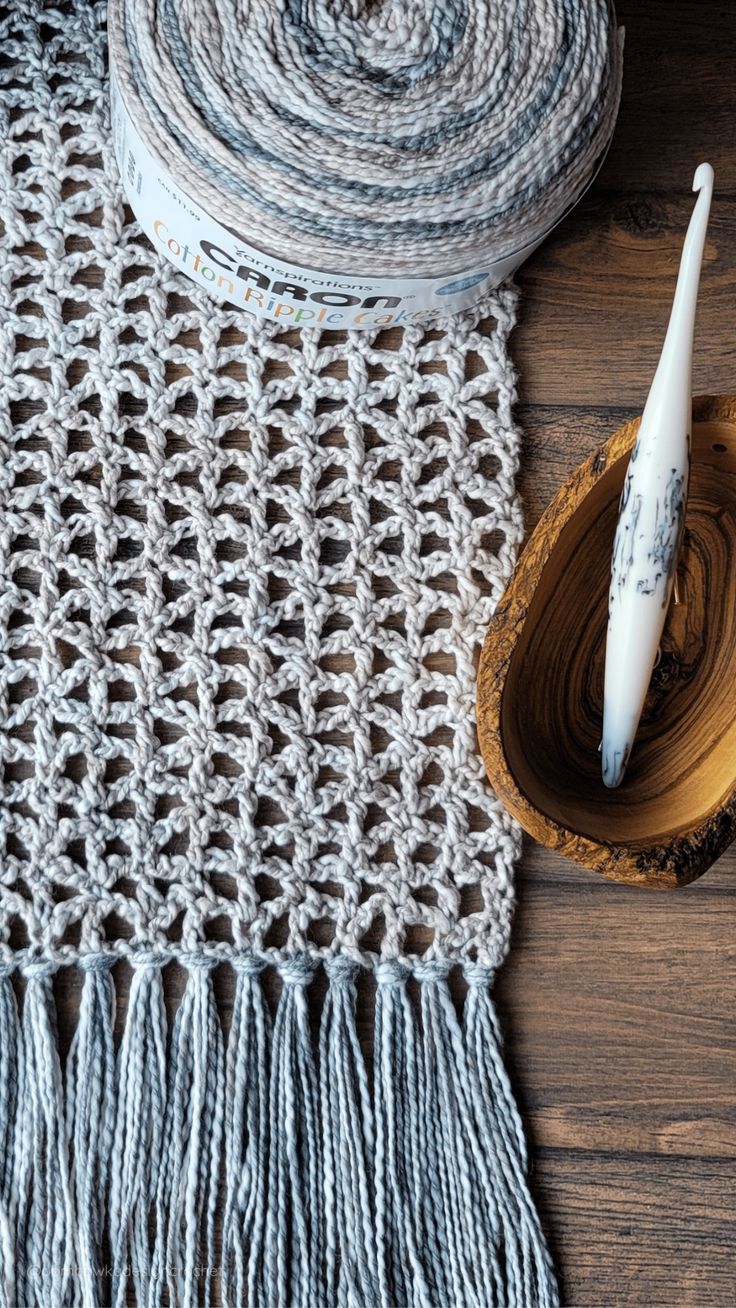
(244,575)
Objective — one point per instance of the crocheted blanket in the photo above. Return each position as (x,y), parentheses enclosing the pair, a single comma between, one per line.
(244,574)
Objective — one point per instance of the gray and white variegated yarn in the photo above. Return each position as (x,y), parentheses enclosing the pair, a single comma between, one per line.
(392,137)
(243,578)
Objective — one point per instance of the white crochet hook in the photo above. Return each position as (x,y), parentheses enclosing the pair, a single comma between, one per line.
(652,511)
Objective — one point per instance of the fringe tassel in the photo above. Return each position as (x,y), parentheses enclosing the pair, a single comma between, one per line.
(335,1192)
(246,1141)
(45,1225)
(139,1135)
(500,1127)
(351,1256)
(405,1263)
(295,1203)
(189,1174)
(11,1049)
(90,1112)
(476,1257)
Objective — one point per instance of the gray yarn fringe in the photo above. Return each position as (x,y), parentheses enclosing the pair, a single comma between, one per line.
(340,1186)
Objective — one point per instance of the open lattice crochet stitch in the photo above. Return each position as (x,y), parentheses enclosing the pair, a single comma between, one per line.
(243,580)
(244,574)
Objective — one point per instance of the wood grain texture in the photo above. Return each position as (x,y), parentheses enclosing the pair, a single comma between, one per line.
(619,1004)
(540,679)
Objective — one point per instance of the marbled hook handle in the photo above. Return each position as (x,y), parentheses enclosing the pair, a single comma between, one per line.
(652,512)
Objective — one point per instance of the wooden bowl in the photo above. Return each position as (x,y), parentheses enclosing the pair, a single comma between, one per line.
(540,680)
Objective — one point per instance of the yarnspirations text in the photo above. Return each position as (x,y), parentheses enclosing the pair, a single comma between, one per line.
(283,300)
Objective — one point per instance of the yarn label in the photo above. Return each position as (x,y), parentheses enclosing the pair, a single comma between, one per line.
(233,270)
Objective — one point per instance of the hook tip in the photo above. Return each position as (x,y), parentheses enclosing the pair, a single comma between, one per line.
(703,177)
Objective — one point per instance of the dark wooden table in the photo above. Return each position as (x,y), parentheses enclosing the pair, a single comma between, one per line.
(619,1003)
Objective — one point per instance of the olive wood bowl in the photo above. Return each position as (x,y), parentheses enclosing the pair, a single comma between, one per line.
(540,680)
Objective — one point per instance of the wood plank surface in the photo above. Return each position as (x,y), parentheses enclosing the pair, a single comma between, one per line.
(618,1004)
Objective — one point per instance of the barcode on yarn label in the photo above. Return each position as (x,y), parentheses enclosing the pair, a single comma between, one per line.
(231,269)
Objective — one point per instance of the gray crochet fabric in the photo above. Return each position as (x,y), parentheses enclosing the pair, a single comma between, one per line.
(244,577)
(244,574)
